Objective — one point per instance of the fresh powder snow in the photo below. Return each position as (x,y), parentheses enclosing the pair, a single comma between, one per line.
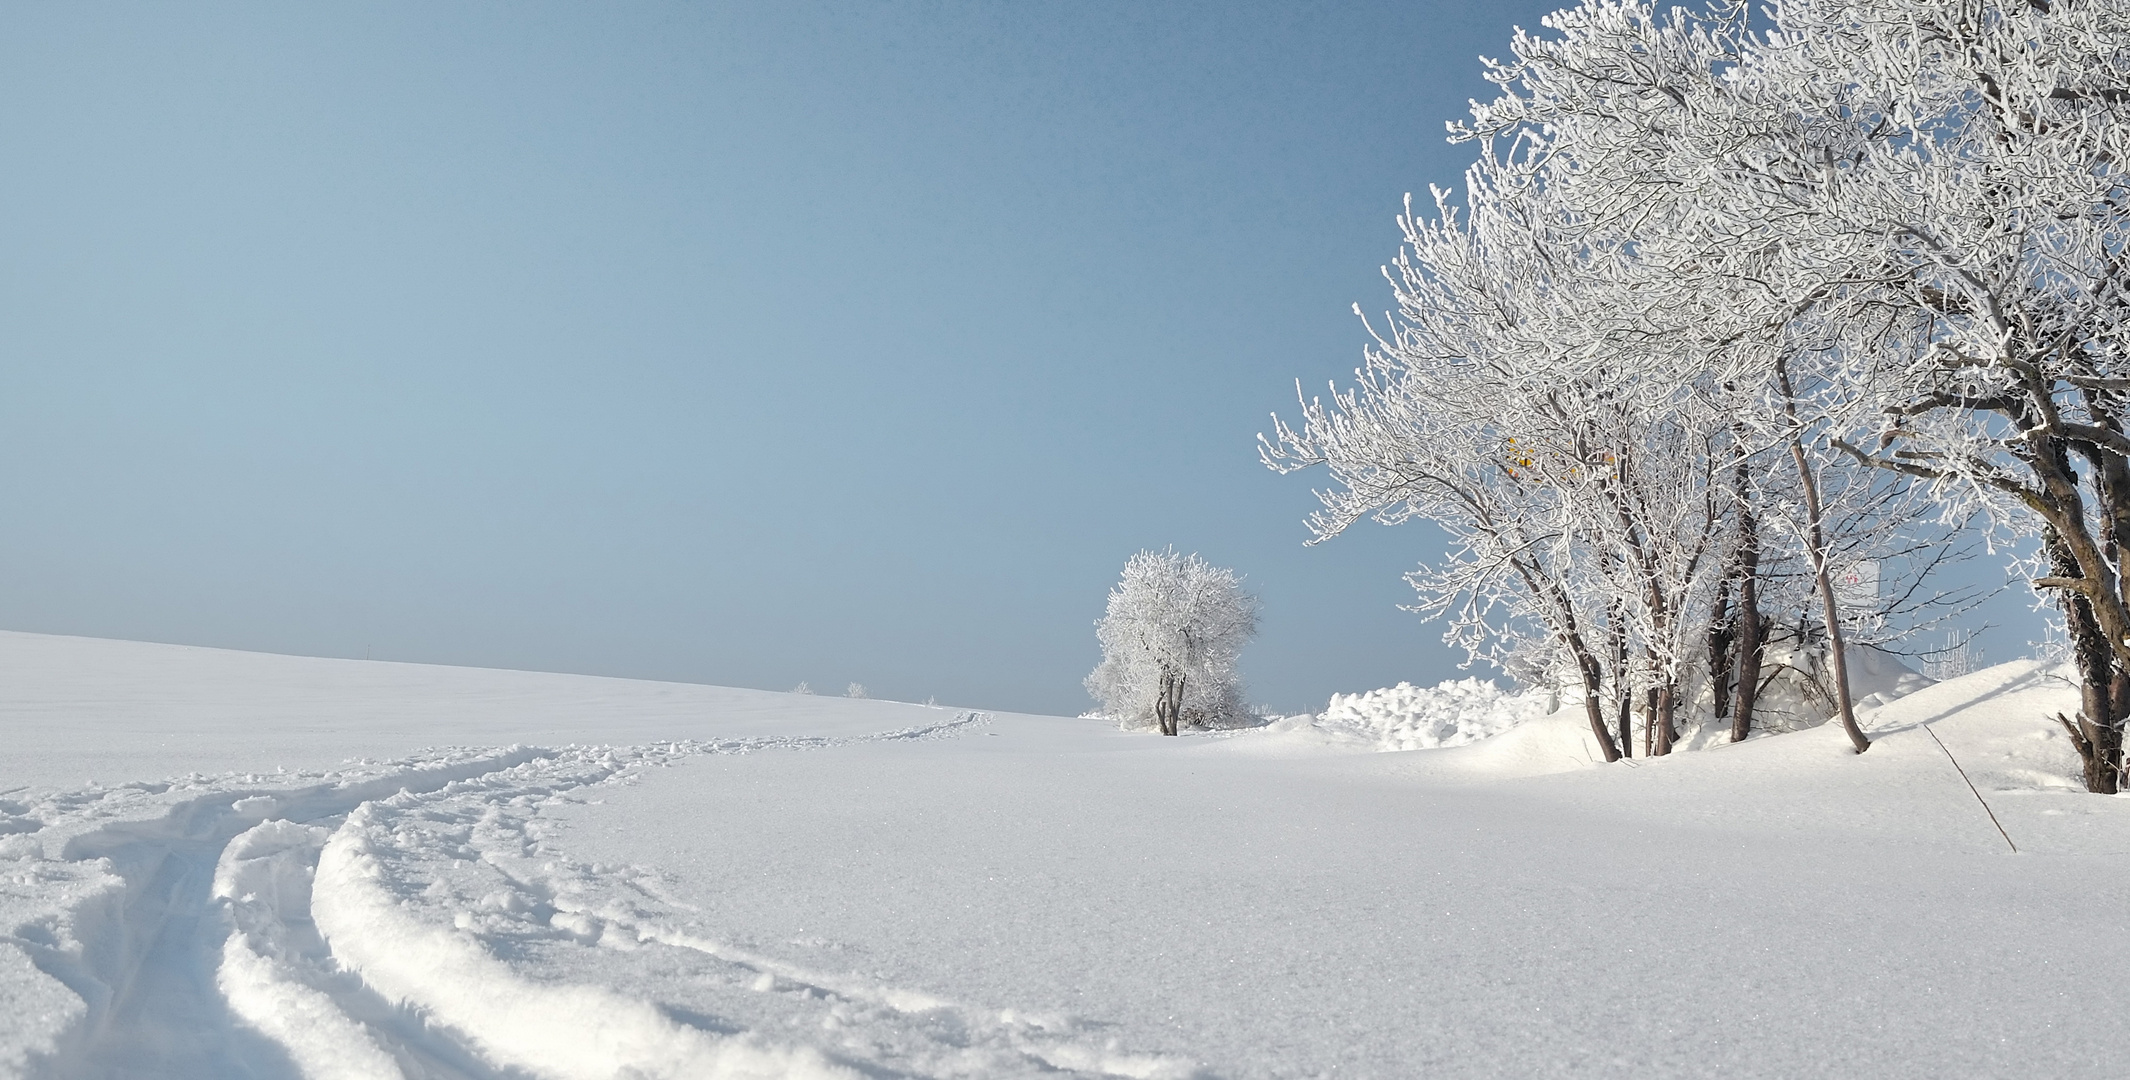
(220,864)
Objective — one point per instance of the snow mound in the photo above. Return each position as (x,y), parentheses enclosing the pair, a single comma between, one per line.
(1408,717)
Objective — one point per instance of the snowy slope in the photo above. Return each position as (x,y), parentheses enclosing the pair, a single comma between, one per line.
(80,709)
(745,884)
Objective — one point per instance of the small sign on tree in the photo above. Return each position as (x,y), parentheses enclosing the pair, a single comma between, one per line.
(1856,588)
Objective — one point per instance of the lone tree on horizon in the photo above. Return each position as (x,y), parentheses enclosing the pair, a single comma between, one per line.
(1170,637)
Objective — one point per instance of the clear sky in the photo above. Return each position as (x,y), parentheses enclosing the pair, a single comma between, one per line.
(732,343)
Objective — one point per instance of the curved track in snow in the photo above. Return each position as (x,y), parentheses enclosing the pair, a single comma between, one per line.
(411,920)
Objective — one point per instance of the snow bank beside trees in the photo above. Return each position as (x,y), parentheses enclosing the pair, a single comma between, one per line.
(1408,717)
(1795,693)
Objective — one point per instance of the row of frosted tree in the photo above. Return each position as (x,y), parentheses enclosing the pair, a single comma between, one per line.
(1735,301)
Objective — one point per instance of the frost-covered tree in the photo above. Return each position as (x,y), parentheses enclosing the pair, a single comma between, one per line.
(1917,212)
(1619,375)
(1572,449)
(1583,113)
(1170,638)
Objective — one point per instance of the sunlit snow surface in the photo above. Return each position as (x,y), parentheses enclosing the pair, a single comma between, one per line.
(624,879)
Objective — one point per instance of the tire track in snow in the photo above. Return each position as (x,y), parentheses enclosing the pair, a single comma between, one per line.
(280,977)
(267,932)
(560,939)
(129,926)
(140,933)
(543,1028)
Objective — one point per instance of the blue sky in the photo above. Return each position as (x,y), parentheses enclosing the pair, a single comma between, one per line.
(745,344)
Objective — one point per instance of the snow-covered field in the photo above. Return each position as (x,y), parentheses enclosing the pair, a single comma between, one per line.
(604,878)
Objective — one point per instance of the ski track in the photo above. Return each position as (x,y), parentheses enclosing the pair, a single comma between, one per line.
(411,919)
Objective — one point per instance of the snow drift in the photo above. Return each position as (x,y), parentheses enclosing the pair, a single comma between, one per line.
(1408,717)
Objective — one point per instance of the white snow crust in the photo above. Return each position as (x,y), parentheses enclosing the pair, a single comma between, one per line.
(745,884)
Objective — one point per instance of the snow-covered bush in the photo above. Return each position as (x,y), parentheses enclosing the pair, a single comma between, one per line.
(1170,637)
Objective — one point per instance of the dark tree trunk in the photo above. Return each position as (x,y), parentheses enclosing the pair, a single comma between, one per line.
(1750,639)
(2100,751)
(1594,709)
(1649,724)
(1621,692)
(1752,645)
(2097,732)
(1653,746)
(1667,698)
(1616,642)
(1722,633)
(1168,707)
(1818,551)
(2094,620)
(2108,705)
(1626,718)
(1568,631)
(2106,776)
(1593,700)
